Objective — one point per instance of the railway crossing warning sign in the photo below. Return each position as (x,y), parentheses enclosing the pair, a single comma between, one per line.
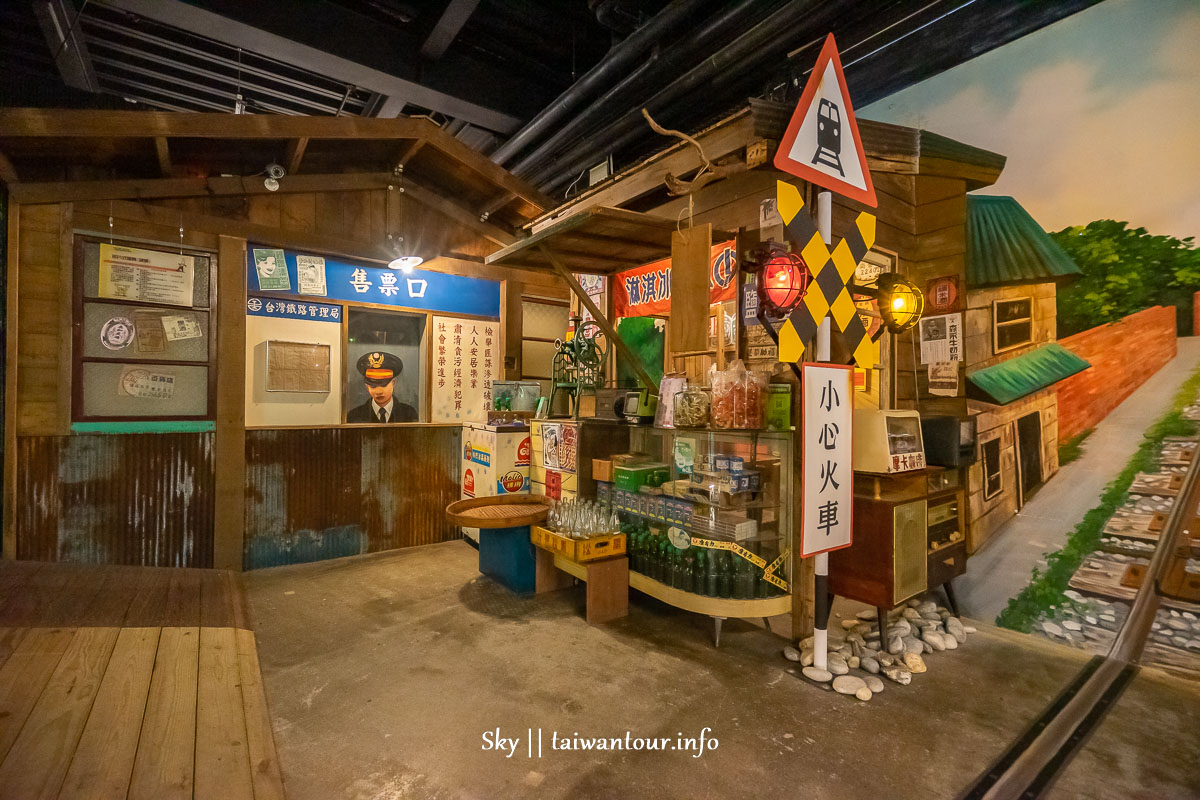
(821,144)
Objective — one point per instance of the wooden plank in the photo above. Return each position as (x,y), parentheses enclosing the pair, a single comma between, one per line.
(9,639)
(66,311)
(162,150)
(222,754)
(294,154)
(691,263)
(602,321)
(260,741)
(37,762)
(8,539)
(24,676)
(8,173)
(103,761)
(230,436)
(607,590)
(183,599)
(460,214)
(164,764)
(216,601)
(146,607)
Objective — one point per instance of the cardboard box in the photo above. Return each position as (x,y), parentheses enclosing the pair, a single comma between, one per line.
(602,469)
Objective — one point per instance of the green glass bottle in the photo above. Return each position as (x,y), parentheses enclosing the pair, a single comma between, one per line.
(687,570)
(710,573)
(725,575)
(764,586)
(699,570)
(662,567)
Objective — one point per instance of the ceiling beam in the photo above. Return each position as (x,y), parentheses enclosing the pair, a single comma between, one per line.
(138,189)
(456,14)
(163,151)
(64,123)
(409,151)
(59,20)
(294,153)
(223,29)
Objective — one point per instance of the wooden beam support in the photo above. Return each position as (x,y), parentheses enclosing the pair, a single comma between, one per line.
(409,150)
(601,319)
(465,217)
(294,153)
(8,173)
(229,522)
(8,543)
(163,150)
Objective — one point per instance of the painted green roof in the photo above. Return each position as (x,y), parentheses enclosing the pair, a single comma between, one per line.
(1027,373)
(1006,245)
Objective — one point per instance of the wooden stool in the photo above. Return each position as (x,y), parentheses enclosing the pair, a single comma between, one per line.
(607,583)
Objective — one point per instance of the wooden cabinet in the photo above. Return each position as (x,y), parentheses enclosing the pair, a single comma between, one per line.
(908,538)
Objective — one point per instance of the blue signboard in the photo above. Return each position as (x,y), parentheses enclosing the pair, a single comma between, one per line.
(291,309)
(369,283)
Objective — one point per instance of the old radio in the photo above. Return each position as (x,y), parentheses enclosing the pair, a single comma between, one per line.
(888,441)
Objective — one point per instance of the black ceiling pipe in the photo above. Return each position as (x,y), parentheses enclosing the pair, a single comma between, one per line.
(618,59)
(766,39)
(663,62)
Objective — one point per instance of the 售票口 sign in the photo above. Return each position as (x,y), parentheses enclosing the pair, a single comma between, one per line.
(827,467)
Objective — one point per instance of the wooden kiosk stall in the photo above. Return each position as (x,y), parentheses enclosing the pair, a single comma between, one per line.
(206,417)
(739,540)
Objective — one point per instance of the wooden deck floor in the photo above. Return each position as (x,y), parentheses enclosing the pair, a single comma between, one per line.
(130,682)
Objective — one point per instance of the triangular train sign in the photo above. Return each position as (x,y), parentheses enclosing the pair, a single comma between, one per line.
(821,144)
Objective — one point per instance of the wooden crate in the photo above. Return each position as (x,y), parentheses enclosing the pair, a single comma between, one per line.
(578,550)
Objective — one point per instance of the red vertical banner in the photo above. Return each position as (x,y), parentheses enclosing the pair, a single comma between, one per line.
(646,291)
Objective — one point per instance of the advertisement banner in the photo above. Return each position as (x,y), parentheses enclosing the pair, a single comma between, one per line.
(646,291)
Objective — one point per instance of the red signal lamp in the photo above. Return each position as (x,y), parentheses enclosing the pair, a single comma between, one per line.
(782,281)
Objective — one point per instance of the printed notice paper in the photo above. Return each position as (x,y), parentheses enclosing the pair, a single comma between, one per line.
(139,382)
(272,271)
(941,338)
(146,276)
(310,275)
(184,326)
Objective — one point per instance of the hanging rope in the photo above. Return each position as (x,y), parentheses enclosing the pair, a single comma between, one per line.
(708,171)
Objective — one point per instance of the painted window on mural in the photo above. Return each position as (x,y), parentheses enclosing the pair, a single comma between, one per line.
(991,468)
(1013,323)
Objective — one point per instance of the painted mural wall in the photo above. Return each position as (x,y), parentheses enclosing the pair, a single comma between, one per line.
(1097,114)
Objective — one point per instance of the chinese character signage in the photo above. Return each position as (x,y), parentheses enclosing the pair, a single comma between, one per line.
(291,309)
(146,276)
(370,283)
(827,455)
(466,360)
(646,291)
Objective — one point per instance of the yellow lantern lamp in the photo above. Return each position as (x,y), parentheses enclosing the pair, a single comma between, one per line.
(901,302)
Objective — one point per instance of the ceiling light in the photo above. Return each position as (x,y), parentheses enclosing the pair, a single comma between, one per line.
(405,264)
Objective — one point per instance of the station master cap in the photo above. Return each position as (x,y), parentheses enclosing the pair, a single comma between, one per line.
(378,368)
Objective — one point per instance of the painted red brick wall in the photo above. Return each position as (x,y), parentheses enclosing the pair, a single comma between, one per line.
(1123,356)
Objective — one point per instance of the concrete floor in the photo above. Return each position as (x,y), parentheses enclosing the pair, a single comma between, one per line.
(1003,568)
(383,672)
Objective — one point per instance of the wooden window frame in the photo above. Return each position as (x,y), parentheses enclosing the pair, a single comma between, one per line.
(79,239)
(996,324)
(983,463)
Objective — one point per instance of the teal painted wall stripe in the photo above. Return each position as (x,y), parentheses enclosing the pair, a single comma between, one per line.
(145,426)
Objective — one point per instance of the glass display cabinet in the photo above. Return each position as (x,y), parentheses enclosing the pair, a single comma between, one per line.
(708,515)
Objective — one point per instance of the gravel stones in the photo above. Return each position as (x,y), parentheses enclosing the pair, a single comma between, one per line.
(935,640)
(911,614)
(913,645)
(870,665)
(853,661)
(791,653)
(867,615)
(895,645)
(863,694)
(955,628)
(1052,628)
(1072,625)
(914,662)
(837,664)
(950,641)
(900,627)
(817,674)
(899,674)
(848,684)
(874,684)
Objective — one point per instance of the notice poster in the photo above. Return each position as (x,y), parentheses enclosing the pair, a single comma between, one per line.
(146,276)
(827,458)
(466,360)
(150,335)
(310,275)
(941,338)
(297,367)
(943,378)
(272,271)
(140,382)
(182,326)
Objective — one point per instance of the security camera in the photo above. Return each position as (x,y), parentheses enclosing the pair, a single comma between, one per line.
(275,171)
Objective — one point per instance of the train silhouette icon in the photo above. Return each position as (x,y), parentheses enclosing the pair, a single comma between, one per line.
(829,136)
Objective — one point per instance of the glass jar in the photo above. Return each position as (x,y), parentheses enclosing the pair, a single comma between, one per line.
(691,408)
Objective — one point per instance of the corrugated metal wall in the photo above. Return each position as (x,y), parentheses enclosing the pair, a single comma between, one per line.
(116,499)
(329,492)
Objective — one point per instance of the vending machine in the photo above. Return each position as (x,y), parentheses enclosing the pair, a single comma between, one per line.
(495,461)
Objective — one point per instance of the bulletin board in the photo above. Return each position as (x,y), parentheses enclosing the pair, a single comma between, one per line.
(297,366)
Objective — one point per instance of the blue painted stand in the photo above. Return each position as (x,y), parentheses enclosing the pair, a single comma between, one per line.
(506,556)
